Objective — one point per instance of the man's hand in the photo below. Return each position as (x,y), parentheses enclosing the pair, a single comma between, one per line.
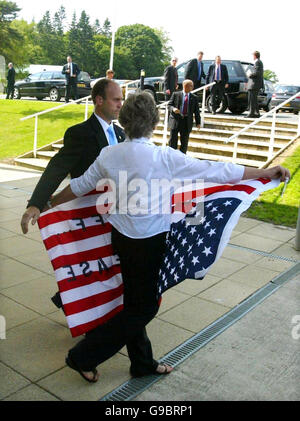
(176,110)
(277,172)
(226,86)
(168,92)
(198,126)
(31,213)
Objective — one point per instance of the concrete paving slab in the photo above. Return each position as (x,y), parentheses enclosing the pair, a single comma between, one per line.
(194,314)
(10,173)
(14,273)
(5,234)
(240,255)
(170,299)
(9,191)
(254,276)
(274,264)
(227,293)
(17,246)
(288,250)
(256,243)
(7,215)
(40,261)
(35,294)
(15,314)
(31,393)
(195,286)
(244,224)
(69,386)
(254,359)
(13,381)
(58,316)
(224,267)
(274,232)
(15,227)
(37,348)
(13,202)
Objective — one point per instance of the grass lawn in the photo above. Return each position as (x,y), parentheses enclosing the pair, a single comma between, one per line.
(271,207)
(16,137)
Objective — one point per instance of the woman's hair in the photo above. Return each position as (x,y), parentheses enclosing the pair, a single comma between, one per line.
(139,115)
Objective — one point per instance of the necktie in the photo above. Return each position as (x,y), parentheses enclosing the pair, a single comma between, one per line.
(185,105)
(218,73)
(199,70)
(111,136)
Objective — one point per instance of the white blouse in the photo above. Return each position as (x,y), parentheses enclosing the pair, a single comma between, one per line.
(138,206)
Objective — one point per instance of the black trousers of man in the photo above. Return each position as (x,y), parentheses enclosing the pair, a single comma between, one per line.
(10,90)
(140,263)
(253,102)
(217,94)
(71,87)
(184,135)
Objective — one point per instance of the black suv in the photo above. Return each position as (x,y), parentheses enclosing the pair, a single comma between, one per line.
(236,96)
(50,84)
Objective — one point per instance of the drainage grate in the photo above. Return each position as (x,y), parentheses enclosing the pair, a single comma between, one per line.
(264,253)
(134,387)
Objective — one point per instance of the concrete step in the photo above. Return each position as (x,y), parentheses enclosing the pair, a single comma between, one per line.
(46,154)
(35,163)
(241,161)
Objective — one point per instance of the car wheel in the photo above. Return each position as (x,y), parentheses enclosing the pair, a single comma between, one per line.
(152,93)
(296,112)
(237,109)
(17,93)
(54,94)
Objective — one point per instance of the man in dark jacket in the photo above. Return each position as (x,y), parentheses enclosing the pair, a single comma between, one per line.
(10,81)
(218,73)
(255,83)
(182,107)
(170,79)
(71,70)
(195,70)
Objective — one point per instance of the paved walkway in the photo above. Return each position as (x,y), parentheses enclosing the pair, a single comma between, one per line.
(32,357)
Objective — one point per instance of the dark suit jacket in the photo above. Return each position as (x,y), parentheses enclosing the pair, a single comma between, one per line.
(76,71)
(82,145)
(191,71)
(256,79)
(211,77)
(193,109)
(11,76)
(170,78)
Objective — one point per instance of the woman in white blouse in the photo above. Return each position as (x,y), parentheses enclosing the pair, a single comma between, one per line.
(138,237)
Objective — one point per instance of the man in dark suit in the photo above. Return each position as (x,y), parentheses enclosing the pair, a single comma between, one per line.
(10,81)
(82,144)
(255,83)
(170,79)
(195,70)
(182,107)
(71,70)
(218,73)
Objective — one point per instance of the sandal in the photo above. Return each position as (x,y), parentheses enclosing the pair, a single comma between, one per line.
(165,369)
(70,363)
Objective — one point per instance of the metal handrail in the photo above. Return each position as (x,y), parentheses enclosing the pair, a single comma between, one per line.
(165,104)
(271,144)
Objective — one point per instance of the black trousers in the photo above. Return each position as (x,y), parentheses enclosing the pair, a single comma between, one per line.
(217,94)
(10,90)
(252,101)
(184,135)
(71,88)
(140,262)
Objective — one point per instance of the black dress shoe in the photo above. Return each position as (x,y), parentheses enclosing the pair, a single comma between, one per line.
(249,116)
(57,300)
(257,115)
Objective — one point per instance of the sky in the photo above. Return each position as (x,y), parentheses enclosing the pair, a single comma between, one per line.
(230,28)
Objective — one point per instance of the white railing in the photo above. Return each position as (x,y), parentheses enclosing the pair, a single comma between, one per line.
(271,154)
(86,99)
(165,104)
(126,86)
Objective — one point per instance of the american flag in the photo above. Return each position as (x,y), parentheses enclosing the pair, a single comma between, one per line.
(78,242)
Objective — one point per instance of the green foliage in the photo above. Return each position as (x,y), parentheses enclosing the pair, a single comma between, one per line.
(49,42)
(271,76)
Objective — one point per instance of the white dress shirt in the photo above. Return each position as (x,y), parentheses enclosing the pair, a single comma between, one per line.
(105,127)
(141,159)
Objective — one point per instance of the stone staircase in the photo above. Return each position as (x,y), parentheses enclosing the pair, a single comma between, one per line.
(207,143)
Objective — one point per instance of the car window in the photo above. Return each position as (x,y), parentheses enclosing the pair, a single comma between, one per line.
(180,70)
(35,76)
(235,69)
(269,86)
(84,76)
(46,75)
(58,75)
(282,89)
(247,66)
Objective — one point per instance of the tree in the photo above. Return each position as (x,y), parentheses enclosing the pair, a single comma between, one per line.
(167,49)
(8,35)
(106,29)
(271,76)
(145,48)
